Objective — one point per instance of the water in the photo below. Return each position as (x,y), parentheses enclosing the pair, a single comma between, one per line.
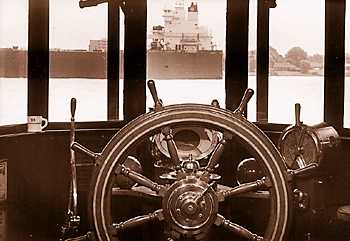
(284,92)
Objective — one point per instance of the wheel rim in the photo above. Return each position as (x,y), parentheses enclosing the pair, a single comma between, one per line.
(203,115)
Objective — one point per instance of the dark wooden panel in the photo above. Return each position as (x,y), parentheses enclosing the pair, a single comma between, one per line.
(135,58)
(262,61)
(236,64)
(38,174)
(334,63)
(113,60)
(38,57)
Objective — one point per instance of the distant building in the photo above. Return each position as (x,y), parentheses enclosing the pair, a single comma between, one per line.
(98,45)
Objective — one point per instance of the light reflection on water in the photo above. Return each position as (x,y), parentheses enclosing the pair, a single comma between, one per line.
(91,94)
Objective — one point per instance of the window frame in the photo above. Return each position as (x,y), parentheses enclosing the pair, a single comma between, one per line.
(38,59)
(236,77)
(334,63)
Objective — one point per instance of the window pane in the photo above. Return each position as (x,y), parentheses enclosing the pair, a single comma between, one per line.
(347,68)
(185,50)
(78,61)
(296,60)
(13,61)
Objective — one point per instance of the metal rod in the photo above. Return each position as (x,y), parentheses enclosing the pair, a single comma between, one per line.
(74,193)
(72,219)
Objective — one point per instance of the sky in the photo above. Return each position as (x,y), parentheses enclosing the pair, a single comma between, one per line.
(292,23)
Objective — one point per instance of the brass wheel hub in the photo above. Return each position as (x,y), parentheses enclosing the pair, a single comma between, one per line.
(190,206)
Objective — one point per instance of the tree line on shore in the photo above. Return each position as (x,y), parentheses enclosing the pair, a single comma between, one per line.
(296,59)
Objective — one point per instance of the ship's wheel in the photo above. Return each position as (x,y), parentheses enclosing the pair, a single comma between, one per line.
(191,198)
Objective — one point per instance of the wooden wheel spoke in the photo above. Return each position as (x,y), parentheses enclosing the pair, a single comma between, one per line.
(141,192)
(258,185)
(218,151)
(237,229)
(140,179)
(137,221)
(166,131)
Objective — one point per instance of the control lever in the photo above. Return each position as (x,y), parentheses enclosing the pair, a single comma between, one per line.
(246,97)
(73,106)
(158,105)
(215,103)
(72,219)
(297,115)
(299,159)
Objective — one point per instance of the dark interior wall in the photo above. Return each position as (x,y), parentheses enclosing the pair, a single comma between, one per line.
(38,173)
(39,168)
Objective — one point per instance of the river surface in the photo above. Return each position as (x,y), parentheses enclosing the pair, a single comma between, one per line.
(91,95)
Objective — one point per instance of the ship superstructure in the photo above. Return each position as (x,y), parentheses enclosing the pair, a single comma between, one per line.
(181,30)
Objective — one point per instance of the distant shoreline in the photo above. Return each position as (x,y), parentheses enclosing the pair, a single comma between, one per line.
(161,65)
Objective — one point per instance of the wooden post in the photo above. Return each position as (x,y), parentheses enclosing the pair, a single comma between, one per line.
(236,64)
(334,63)
(113,60)
(262,61)
(135,58)
(38,57)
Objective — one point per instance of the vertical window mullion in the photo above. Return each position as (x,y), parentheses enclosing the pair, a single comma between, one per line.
(113,60)
(135,58)
(236,64)
(334,63)
(38,57)
(262,61)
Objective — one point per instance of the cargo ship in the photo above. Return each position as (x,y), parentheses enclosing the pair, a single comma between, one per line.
(179,49)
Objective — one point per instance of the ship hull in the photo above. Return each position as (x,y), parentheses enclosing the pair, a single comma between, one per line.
(84,64)
(178,65)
